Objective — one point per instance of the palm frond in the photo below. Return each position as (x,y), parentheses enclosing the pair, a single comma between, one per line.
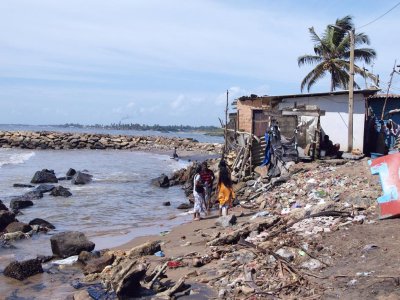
(308,59)
(340,78)
(317,73)
(366,55)
(361,38)
(320,44)
(364,73)
(344,45)
(346,23)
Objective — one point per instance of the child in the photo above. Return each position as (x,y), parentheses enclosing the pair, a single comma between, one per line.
(198,193)
(225,190)
(207,177)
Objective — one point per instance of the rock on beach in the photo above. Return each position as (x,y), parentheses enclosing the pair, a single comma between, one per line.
(70,243)
(6,217)
(24,269)
(81,178)
(20,204)
(44,176)
(60,191)
(18,226)
(42,223)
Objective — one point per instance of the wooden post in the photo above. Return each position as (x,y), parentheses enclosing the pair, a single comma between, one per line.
(351,93)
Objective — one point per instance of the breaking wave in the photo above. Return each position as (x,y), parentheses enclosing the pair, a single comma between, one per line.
(10,157)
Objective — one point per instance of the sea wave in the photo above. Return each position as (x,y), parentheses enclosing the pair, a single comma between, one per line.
(9,157)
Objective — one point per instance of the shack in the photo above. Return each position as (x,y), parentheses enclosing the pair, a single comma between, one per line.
(253,113)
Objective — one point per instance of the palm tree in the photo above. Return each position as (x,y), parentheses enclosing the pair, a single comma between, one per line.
(332,55)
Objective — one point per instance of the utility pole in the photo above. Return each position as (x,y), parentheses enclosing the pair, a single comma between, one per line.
(387,92)
(351,92)
(226,123)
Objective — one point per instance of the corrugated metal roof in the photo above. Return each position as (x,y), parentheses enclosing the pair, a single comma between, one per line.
(383,96)
(365,92)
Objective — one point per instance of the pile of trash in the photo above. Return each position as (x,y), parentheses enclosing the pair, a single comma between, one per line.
(276,253)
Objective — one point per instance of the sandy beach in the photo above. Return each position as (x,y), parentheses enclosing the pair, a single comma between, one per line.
(280,253)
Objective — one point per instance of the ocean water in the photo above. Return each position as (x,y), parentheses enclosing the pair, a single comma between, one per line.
(118,205)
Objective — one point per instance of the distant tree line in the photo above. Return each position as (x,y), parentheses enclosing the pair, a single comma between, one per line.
(155,127)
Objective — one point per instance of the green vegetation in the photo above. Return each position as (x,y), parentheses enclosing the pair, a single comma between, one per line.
(332,55)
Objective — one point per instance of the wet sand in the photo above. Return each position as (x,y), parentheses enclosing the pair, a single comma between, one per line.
(188,241)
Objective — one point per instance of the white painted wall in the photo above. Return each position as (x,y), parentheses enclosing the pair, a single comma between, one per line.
(336,118)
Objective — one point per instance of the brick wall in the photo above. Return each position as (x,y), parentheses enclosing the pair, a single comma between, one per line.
(245,112)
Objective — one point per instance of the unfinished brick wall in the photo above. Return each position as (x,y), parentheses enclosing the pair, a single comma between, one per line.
(245,112)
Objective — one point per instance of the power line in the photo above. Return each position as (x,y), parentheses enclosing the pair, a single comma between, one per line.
(380,16)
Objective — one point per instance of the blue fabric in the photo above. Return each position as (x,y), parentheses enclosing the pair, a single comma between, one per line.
(267,155)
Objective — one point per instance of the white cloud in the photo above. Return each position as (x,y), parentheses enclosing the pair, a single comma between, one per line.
(131,104)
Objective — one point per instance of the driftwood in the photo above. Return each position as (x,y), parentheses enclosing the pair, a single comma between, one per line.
(178,287)
(157,275)
(125,277)
(233,237)
(148,248)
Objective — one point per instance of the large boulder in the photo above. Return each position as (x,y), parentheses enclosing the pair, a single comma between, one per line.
(18,226)
(70,243)
(3,206)
(44,188)
(81,178)
(161,181)
(44,176)
(71,172)
(19,204)
(6,217)
(42,223)
(23,269)
(60,191)
(32,195)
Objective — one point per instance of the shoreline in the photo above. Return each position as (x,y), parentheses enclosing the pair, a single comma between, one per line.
(186,156)
(272,238)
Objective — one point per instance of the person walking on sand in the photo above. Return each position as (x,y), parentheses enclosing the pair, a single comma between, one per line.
(198,193)
(207,176)
(225,191)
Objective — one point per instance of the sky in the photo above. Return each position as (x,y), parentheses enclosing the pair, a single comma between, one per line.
(167,62)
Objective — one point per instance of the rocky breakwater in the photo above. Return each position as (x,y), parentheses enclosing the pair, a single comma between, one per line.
(62,140)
